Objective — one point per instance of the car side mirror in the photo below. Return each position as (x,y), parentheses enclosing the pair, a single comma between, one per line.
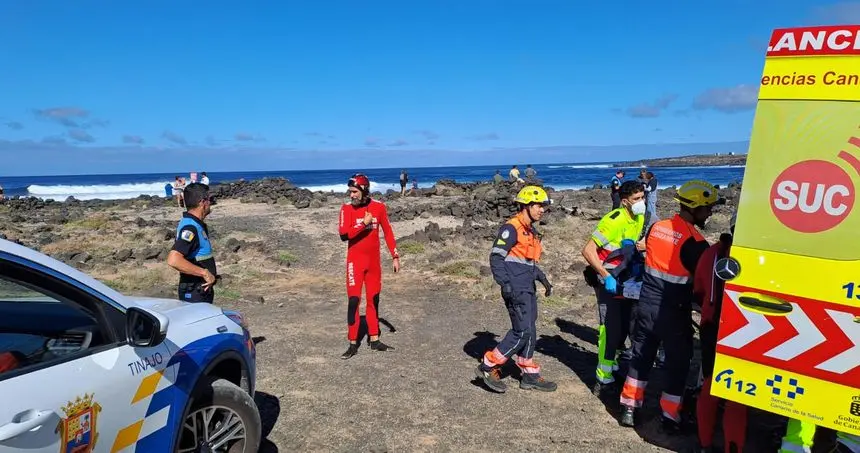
(727,268)
(144,329)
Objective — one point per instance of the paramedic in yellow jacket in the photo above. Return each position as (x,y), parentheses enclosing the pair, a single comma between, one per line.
(614,310)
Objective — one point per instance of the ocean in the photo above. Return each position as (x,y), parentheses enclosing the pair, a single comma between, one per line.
(558,176)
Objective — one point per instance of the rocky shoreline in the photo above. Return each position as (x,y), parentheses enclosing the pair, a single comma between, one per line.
(478,207)
(704,160)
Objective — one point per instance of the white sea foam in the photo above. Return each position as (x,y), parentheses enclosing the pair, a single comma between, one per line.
(93,192)
(581,166)
(374,187)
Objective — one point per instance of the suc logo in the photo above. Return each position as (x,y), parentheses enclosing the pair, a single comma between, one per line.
(812,196)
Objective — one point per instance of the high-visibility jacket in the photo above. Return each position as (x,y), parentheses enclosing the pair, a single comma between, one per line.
(616,226)
(515,255)
(672,250)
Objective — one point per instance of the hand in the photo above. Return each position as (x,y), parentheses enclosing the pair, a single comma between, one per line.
(397,264)
(640,245)
(507,291)
(610,284)
(208,280)
(548,288)
(368,218)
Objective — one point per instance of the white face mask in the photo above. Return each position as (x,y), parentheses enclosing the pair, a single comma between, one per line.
(638,208)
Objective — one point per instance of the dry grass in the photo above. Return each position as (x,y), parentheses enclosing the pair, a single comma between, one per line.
(140,280)
(463,269)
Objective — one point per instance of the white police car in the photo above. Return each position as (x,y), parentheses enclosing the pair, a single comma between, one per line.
(84,368)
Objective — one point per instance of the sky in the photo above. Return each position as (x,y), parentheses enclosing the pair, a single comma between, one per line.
(92,87)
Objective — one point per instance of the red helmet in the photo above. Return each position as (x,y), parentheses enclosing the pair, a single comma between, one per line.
(360,182)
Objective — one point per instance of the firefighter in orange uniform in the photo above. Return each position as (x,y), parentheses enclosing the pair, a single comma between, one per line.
(514,262)
(664,313)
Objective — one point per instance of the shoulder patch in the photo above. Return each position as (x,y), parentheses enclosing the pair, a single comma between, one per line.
(614,215)
(506,234)
(187,235)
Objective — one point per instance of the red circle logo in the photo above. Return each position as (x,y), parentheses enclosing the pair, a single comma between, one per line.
(812,196)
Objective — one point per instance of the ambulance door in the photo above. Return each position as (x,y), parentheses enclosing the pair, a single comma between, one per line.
(789,336)
(69,382)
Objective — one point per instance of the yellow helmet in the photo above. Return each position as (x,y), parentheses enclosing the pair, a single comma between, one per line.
(532,194)
(694,194)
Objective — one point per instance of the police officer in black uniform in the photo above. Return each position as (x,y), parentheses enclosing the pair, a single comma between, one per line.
(192,252)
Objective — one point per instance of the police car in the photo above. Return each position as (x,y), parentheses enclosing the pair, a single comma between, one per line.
(84,368)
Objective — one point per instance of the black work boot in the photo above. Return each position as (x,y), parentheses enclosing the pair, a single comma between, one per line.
(380,346)
(605,392)
(670,426)
(492,379)
(627,418)
(535,381)
(351,351)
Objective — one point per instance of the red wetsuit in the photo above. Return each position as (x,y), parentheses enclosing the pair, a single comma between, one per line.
(363,261)
(708,290)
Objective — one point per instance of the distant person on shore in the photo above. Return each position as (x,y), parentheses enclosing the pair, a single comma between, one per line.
(615,187)
(514,174)
(204,179)
(168,191)
(404,178)
(178,186)
(414,190)
(497,178)
(360,222)
(191,254)
(651,198)
(2,196)
(530,173)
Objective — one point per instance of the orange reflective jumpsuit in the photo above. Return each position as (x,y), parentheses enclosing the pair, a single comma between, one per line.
(664,312)
(514,262)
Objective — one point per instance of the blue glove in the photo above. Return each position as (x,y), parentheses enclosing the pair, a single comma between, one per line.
(627,242)
(610,284)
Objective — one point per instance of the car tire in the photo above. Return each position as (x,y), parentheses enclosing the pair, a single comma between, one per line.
(225,398)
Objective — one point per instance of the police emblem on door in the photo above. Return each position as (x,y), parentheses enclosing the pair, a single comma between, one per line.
(78,429)
(855,406)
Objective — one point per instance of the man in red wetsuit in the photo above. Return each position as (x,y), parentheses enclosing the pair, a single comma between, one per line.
(708,292)
(360,221)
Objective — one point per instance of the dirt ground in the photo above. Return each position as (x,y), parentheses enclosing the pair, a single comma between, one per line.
(441,312)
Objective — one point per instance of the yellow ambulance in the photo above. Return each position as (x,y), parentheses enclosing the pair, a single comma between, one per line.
(789,335)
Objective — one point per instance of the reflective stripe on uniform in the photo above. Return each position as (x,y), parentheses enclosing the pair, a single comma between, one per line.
(499,251)
(849,440)
(671,406)
(665,276)
(518,260)
(633,392)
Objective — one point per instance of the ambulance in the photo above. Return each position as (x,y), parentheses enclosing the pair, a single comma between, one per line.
(789,334)
(86,369)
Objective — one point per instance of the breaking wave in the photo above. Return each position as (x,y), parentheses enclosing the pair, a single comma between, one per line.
(96,192)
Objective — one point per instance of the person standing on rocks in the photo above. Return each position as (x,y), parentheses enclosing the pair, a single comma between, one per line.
(614,187)
(192,251)
(360,221)
(497,178)
(530,173)
(651,197)
(404,179)
(601,251)
(514,263)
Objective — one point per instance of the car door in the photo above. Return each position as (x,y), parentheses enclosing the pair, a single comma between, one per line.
(71,382)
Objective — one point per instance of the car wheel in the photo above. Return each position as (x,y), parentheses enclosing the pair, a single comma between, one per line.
(222,418)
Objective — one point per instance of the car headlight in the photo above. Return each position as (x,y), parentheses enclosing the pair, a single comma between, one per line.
(236,317)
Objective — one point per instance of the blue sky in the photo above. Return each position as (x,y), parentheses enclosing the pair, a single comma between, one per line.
(107,86)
